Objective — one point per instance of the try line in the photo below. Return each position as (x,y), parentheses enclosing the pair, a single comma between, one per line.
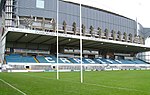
(13,87)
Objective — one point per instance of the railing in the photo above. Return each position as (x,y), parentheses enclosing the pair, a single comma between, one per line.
(49,25)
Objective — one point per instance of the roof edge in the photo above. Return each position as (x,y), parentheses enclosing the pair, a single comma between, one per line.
(98,9)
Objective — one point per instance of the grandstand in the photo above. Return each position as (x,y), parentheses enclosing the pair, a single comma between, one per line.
(29,38)
(46,63)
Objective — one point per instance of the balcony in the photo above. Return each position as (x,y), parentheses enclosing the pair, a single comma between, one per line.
(49,25)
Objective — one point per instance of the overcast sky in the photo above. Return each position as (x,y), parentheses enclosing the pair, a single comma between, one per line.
(133,9)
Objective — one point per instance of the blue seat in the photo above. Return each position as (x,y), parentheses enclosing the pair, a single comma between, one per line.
(74,60)
(126,61)
(64,60)
(20,59)
(50,59)
(106,61)
(100,61)
(41,59)
(88,61)
(84,61)
(137,61)
(28,59)
(53,59)
(111,61)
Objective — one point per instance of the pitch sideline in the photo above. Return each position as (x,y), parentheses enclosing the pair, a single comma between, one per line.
(13,87)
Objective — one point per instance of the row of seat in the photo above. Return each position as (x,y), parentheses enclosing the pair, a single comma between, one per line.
(19,59)
(52,59)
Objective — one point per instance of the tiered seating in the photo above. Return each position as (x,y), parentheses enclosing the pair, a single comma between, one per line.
(137,61)
(64,60)
(52,59)
(106,61)
(74,60)
(61,60)
(41,59)
(19,59)
(84,61)
(28,59)
(125,61)
(111,61)
(88,61)
(100,60)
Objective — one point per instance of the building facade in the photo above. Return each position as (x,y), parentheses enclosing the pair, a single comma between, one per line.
(69,12)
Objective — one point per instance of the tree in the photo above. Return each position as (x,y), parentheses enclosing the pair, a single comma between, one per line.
(135,39)
(54,25)
(83,29)
(106,33)
(91,30)
(119,35)
(74,29)
(130,37)
(99,31)
(65,26)
(143,40)
(125,36)
(113,34)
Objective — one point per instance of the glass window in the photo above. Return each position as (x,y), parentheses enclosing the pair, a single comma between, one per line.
(39,3)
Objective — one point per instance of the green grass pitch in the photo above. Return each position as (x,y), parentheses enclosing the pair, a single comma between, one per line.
(95,83)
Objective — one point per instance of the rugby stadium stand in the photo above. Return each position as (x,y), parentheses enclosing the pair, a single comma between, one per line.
(49,63)
(29,37)
(18,58)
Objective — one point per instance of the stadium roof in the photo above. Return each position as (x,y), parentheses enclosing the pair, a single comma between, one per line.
(49,38)
(96,8)
(69,1)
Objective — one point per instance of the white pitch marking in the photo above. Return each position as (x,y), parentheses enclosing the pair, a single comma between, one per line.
(121,88)
(105,86)
(13,87)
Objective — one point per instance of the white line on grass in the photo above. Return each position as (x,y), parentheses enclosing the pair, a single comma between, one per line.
(107,86)
(120,88)
(34,76)
(13,87)
(99,85)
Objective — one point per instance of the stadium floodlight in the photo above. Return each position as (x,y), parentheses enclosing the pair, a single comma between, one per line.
(81,43)
(57,38)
